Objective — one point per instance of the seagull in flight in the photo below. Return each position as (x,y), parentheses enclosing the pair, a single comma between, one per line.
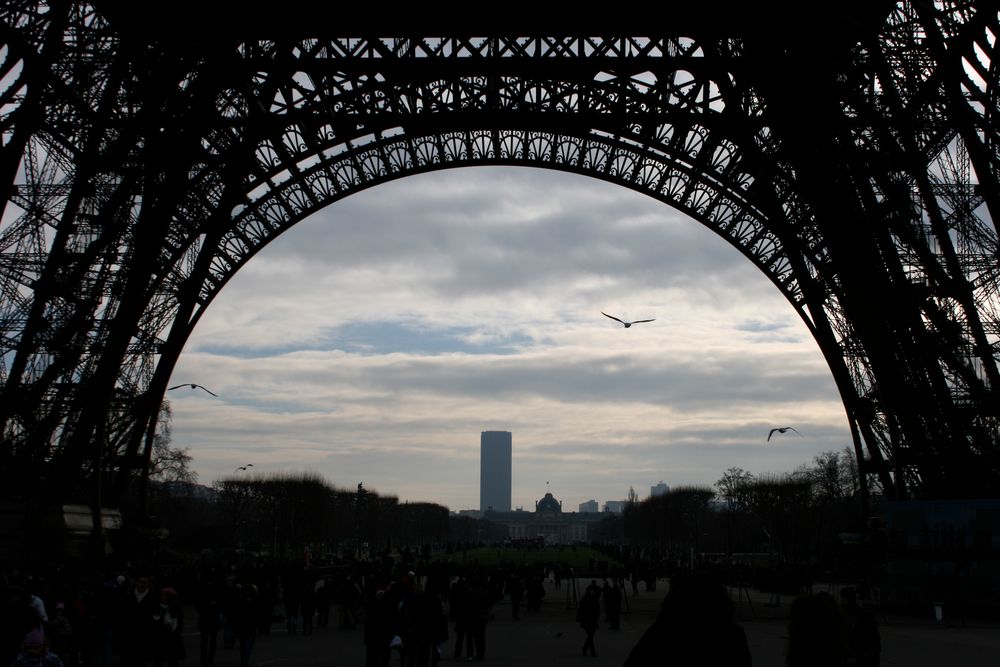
(193,386)
(627,324)
(782,429)
(249,465)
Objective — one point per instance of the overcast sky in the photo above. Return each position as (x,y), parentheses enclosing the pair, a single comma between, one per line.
(375,341)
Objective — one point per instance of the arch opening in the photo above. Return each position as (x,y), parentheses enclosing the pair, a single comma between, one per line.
(443,304)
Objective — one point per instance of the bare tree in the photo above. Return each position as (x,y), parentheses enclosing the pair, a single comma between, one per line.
(734,487)
(834,475)
(169,464)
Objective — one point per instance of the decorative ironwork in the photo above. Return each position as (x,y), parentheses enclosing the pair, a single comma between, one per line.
(859,173)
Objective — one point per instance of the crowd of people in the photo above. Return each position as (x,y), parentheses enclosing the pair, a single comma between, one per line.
(414,611)
(74,621)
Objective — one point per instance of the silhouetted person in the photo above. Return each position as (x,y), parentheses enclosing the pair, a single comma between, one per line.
(349,596)
(515,589)
(137,624)
(408,613)
(307,604)
(209,623)
(535,593)
(245,622)
(587,616)
(695,627)
(107,610)
(462,611)
(817,633)
(379,630)
(427,628)
(323,600)
(291,598)
(168,624)
(267,598)
(612,596)
(482,600)
(231,600)
(437,624)
(59,633)
(863,634)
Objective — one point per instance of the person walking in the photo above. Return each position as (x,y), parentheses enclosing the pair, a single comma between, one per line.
(587,616)
(137,623)
(863,634)
(461,607)
(169,624)
(209,623)
(515,587)
(307,604)
(612,604)
(245,622)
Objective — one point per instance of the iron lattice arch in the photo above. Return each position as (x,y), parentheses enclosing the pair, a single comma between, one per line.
(146,164)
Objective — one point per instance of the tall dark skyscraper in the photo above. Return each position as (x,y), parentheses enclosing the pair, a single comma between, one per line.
(494,471)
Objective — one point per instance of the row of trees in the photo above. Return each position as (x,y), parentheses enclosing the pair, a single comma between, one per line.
(798,516)
(285,514)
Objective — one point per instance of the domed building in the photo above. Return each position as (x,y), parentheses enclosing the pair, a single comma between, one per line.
(548,522)
(548,504)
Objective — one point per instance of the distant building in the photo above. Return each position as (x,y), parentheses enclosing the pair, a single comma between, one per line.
(589,506)
(658,490)
(494,471)
(547,522)
(615,506)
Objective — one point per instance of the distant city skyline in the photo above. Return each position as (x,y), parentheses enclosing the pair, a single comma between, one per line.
(375,340)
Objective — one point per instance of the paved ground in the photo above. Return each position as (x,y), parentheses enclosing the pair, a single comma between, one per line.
(552,638)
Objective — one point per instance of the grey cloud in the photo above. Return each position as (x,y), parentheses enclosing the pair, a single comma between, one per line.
(720,378)
(759,326)
(386,337)
(759,331)
(608,379)
(557,230)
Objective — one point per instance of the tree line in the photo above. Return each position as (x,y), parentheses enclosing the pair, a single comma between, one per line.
(296,515)
(810,514)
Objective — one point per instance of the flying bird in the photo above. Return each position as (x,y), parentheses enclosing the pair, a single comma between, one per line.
(249,465)
(193,386)
(627,324)
(782,429)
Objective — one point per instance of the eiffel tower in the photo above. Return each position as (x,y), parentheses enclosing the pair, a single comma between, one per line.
(148,153)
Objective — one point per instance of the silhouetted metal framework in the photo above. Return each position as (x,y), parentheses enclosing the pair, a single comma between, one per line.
(146,159)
